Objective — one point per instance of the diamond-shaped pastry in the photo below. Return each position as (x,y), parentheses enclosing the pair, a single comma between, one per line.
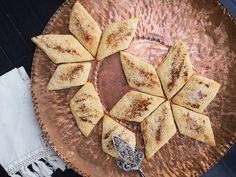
(85,28)
(135,106)
(110,128)
(197,93)
(116,36)
(140,74)
(194,125)
(62,48)
(175,70)
(86,108)
(69,75)
(157,129)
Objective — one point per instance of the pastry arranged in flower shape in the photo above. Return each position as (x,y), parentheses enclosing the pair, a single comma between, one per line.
(86,106)
(180,87)
(158,97)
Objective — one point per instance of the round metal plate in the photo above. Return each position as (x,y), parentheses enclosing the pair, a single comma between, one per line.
(210,36)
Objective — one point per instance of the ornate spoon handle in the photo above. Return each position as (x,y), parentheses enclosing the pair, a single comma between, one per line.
(141,172)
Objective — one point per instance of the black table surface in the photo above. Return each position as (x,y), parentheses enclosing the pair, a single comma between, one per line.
(22,19)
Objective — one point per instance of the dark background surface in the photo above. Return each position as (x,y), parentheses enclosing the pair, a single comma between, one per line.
(22,19)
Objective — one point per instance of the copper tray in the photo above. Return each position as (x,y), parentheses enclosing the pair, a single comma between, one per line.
(210,35)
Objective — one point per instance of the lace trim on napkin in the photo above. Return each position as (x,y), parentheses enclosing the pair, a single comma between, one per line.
(42,162)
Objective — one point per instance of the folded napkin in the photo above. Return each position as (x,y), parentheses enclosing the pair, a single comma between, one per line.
(23,150)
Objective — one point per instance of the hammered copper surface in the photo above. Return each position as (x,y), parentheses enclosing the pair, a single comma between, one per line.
(210,37)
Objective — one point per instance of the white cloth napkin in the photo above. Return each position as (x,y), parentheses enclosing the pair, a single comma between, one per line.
(22,145)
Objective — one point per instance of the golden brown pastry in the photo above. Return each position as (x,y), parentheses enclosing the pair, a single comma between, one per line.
(140,74)
(110,128)
(86,108)
(135,106)
(197,93)
(69,75)
(62,48)
(116,36)
(194,125)
(157,129)
(175,70)
(85,28)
